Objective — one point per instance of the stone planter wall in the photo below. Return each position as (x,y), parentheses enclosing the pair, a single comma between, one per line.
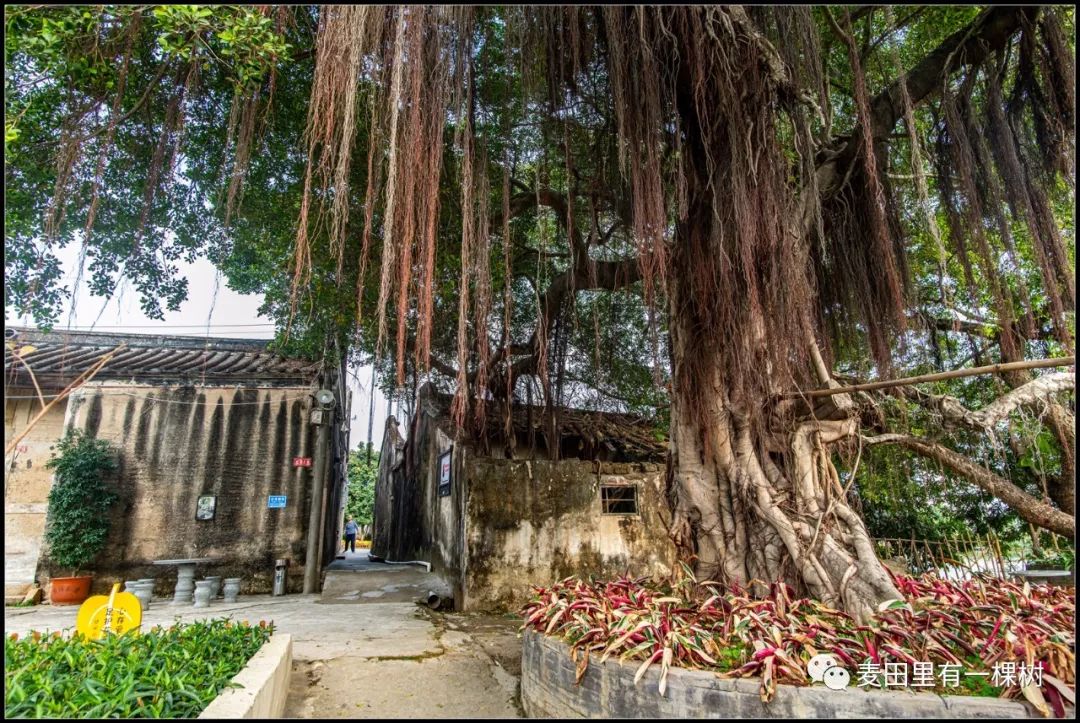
(264,684)
(608,691)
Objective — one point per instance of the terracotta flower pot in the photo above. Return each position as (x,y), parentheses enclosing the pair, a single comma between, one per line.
(70,590)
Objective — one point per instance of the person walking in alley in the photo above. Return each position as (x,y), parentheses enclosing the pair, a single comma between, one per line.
(351,528)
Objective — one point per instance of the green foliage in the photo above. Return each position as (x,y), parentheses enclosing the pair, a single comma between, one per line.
(239,36)
(164,673)
(62,77)
(904,496)
(1060,559)
(63,73)
(362,474)
(80,498)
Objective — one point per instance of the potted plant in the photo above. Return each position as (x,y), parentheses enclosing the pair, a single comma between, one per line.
(78,517)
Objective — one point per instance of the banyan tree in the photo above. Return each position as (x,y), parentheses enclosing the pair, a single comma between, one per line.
(762,195)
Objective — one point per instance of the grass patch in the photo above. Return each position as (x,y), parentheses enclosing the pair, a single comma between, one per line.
(163,673)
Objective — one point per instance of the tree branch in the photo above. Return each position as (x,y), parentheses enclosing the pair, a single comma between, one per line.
(971,45)
(1028,507)
(609,275)
(988,330)
(1039,389)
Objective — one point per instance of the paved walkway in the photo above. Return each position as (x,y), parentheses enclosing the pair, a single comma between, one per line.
(355,578)
(360,655)
(359,561)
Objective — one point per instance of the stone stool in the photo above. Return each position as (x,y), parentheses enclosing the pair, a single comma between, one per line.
(202,593)
(185,584)
(232,589)
(215,588)
(144,591)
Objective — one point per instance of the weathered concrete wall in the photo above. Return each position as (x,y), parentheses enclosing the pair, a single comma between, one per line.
(382,514)
(536,522)
(607,690)
(447,513)
(508,524)
(411,520)
(26,486)
(182,442)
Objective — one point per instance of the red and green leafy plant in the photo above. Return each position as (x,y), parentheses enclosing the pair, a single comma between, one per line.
(974,624)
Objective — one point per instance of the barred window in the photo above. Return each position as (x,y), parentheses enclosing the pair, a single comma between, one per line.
(618,499)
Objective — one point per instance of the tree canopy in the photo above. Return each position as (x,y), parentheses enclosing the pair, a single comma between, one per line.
(694,213)
(363,469)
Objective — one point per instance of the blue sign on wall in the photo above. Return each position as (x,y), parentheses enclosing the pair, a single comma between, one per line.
(276,501)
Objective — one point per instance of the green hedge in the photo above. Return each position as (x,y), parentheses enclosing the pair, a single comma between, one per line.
(162,673)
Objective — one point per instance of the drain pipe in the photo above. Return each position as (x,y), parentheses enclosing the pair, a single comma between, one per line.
(439,600)
(427,565)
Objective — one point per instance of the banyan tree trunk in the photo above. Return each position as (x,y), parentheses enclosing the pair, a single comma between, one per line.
(746,510)
(750,502)
(747,514)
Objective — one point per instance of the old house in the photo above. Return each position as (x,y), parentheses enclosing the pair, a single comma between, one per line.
(214,438)
(493,516)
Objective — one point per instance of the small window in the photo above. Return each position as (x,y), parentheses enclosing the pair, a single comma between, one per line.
(618,499)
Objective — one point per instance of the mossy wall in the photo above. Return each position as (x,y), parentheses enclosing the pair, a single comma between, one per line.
(533,522)
(508,524)
(178,443)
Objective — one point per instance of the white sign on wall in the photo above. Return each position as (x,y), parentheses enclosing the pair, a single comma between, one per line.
(445,467)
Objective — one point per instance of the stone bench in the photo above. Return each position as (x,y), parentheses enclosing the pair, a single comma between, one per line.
(185,576)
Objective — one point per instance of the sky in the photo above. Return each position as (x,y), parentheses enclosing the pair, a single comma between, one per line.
(228,313)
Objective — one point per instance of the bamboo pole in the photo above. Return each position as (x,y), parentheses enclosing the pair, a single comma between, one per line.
(79,381)
(933,558)
(908,381)
(967,551)
(953,551)
(1000,557)
(977,551)
(18,357)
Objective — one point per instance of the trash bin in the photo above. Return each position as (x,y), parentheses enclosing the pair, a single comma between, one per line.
(279,576)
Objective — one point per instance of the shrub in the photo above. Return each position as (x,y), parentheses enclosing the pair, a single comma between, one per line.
(164,673)
(79,501)
(1062,559)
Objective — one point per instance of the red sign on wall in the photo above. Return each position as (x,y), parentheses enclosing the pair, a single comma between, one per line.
(301,461)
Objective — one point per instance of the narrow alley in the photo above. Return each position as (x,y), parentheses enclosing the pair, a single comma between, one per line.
(407,661)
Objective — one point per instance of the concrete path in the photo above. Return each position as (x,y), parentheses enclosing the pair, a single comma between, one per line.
(357,579)
(363,656)
(359,561)
(469,666)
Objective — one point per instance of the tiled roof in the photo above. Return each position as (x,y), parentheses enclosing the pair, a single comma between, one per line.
(60,356)
(585,432)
